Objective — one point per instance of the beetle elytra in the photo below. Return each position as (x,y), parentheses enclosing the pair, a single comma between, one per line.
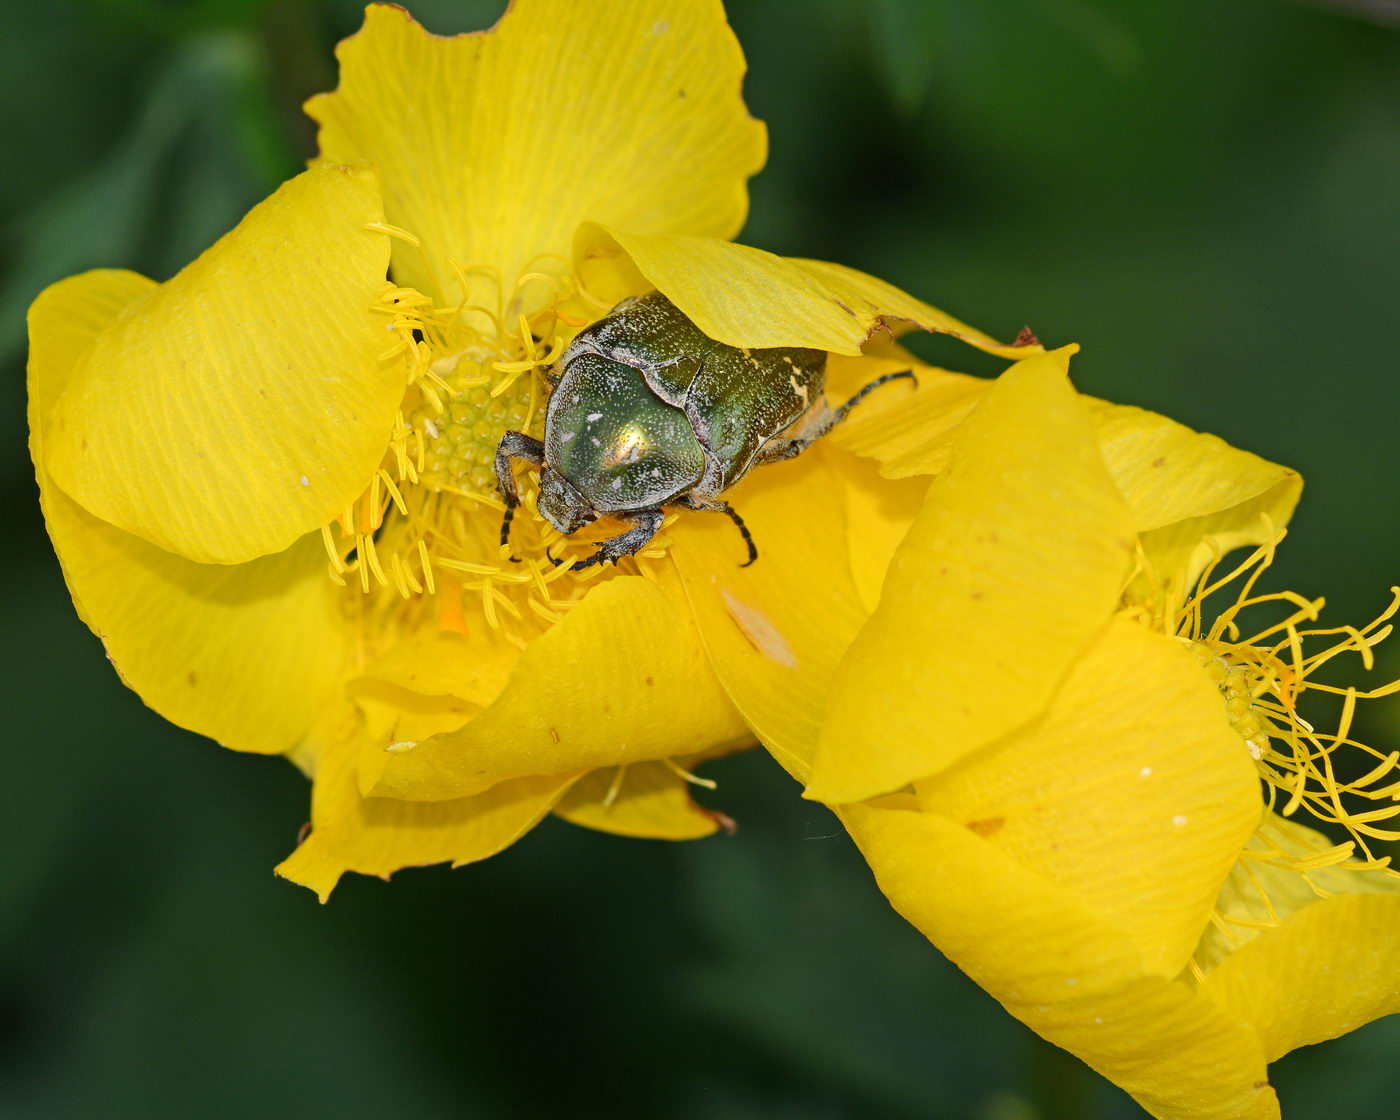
(646,412)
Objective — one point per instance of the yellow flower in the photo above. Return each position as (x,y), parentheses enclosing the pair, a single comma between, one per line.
(268,479)
(1050,742)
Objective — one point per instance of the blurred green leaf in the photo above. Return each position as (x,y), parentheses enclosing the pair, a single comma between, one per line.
(167,189)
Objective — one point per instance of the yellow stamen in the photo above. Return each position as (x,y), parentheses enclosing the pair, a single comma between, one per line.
(686,775)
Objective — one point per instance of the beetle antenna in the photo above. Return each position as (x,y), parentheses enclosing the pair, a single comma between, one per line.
(850,404)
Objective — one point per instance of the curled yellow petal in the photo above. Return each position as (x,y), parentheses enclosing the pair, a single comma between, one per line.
(775,630)
(1008,575)
(1169,473)
(649,800)
(494,146)
(622,678)
(748,297)
(247,401)
(1063,968)
(378,836)
(245,653)
(1328,969)
(1132,792)
(879,511)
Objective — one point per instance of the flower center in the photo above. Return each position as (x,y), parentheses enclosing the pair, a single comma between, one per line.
(1239,686)
(1341,783)
(422,543)
(1264,675)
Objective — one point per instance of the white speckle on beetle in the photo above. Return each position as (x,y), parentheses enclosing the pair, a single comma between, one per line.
(617,483)
(758,628)
(595,441)
(567,436)
(593,417)
(1179,820)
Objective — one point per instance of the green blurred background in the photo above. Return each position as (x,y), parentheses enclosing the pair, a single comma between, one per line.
(1203,193)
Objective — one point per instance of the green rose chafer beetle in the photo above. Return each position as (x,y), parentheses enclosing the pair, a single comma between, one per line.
(646,411)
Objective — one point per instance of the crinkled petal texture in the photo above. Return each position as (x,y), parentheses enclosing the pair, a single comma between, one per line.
(621,679)
(494,146)
(1022,545)
(244,653)
(748,297)
(1063,965)
(222,415)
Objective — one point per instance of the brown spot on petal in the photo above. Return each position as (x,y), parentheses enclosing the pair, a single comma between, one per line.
(190,676)
(1160,461)
(988,826)
(1026,338)
(554,734)
(650,683)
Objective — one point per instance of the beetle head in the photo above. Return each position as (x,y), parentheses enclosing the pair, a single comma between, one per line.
(563,506)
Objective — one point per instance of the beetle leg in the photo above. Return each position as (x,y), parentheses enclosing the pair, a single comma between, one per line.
(646,524)
(513,445)
(715,505)
(776,450)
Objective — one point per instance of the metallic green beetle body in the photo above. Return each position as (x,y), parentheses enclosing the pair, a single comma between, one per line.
(733,400)
(648,411)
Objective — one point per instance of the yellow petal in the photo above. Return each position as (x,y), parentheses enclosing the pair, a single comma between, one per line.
(879,511)
(471,667)
(648,800)
(1008,575)
(1328,969)
(1177,554)
(245,654)
(1168,473)
(623,678)
(242,404)
(1062,968)
(1264,889)
(1133,792)
(774,631)
(915,435)
(747,297)
(493,147)
(378,836)
(63,323)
